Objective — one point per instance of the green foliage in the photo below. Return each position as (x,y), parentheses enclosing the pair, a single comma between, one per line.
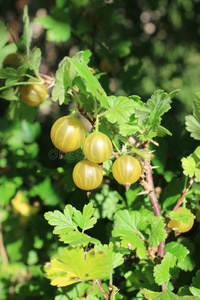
(162,272)
(183,216)
(191,166)
(72,266)
(193,121)
(113,239)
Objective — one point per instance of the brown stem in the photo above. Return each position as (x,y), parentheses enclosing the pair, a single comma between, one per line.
(85,115)
(148,185)
(2,248)
(184,194)
(102,289)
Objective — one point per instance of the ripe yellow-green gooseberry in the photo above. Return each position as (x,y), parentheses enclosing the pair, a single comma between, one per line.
(179,226)
(97,147)
(87,175)
(13,60)
(68,133)
(33,94)
(126,169)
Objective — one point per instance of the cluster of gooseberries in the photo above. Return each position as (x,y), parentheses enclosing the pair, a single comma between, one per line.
(33,93)
(68,134)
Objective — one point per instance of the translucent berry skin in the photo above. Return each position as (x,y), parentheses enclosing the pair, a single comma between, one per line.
(126,169)
(13,60)
(179,226)
(87,175)
(68,133)
(97,147)
(33,94)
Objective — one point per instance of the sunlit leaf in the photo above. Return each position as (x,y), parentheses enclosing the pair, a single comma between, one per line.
(74,266)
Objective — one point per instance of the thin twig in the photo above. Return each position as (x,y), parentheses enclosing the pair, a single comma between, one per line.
(184,193)
(2,247)
(102,289)
(85,115)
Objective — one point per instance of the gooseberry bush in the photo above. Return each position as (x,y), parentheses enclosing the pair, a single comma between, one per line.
(111,169)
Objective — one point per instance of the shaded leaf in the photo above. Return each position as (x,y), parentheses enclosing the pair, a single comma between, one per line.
(195,287)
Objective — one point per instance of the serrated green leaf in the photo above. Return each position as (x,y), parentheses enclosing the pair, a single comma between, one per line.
(63,81)
(35,59)
(162,131)
(183,216)
(151,112)
(74,266)
(76,238)
(9,94)
(92,85)
(165,295)
(120,109)
(193,121)
(127,227)
(177,250)
(195,288)
(193,126)
(27,31)
(115,259)
(162,270)
(62,222)
(85,221)
(128,129)
(156,231)
(106,202)
(189,166)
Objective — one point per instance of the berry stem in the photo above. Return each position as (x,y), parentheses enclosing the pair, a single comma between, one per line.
(184,193)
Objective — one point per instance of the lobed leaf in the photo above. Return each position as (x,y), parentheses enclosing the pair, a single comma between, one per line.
(120,109)
(177,250)
(162,271)
(156,231)
(115,259)
(76,238)
(85,221)
(191,165)
(165,295)
(195,287)
(62,222)
(184,216)
(75,266)
(127,227)
(192,122)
